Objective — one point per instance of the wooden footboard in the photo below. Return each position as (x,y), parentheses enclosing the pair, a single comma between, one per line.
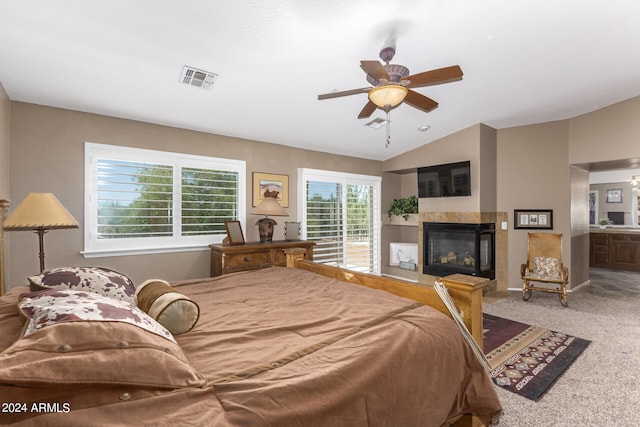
(465,291)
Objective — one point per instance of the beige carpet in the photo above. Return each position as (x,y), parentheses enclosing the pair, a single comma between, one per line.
(601,388)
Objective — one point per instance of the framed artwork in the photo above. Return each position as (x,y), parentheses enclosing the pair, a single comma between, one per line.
(270,183)
(400,253)
(533,218)
(234,233)
(292,230)
(614,196)
(593,207)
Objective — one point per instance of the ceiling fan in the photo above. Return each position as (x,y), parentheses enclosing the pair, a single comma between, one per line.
(392,85)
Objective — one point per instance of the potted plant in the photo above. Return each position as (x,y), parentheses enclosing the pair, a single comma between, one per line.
(603,222)
(404,207)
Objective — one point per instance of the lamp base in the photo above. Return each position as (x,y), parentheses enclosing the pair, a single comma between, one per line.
(40,232)
(265,228)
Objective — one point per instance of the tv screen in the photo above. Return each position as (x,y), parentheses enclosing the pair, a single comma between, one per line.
(447,180)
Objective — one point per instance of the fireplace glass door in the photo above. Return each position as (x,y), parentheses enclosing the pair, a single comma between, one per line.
(459,248)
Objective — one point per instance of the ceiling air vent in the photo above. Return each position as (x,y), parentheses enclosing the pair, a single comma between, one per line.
(199,78)
(376,123)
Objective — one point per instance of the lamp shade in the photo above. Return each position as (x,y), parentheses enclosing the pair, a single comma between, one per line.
(269,206)
(40,210)
(388,95)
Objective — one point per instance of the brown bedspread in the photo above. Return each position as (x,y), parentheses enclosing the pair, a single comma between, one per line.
(286,347)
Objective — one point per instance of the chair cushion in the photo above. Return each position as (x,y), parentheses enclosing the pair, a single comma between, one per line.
(546,267)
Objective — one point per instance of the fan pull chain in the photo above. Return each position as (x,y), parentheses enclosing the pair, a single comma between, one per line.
(388,131)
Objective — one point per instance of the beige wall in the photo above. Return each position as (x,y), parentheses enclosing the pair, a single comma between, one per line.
(459,146)
(536,169)
(532,170)
(488,166)
(5,117)
(534,173)
(579,272)
(47,155)
(549,151)
(478,144)
(612,133)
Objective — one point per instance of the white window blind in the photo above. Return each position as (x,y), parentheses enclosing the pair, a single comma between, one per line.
(341,214)
(151,201)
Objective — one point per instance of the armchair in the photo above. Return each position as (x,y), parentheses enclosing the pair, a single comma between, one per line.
(544,266)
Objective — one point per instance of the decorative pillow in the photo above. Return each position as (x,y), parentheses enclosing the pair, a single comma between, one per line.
(546,267)
(100,280)
(93,353)
(176,312)
(46,308)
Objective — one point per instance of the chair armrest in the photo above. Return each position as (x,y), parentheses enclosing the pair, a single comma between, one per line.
(523,269)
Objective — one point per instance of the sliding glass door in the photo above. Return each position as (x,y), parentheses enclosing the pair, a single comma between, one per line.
(341,213)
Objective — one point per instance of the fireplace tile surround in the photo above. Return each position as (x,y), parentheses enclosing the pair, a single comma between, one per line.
(501,249)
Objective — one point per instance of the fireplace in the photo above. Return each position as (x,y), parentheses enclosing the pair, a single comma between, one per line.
(459,248)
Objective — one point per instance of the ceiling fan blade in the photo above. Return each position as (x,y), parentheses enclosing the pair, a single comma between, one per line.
(367,110)
(420,101)
(344,93)
(433,77)
(374,69)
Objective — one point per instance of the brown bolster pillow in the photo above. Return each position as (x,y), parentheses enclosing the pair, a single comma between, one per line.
(173,310)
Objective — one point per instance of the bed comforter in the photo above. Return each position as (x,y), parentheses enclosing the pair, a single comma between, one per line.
(272,347)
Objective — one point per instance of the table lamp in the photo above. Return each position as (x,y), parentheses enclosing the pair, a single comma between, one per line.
(40,212)
(269,206)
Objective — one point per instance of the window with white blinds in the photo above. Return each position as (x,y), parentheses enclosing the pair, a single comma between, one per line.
(341,213)
(140,201)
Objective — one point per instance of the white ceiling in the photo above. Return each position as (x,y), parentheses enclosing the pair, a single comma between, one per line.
(523,61)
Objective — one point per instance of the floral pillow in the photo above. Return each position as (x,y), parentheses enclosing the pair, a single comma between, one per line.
(546,267)
(103,281)
(47,308)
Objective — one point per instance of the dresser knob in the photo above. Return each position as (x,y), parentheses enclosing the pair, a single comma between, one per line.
(247,259)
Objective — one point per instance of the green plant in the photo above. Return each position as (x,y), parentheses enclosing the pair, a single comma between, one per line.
(403,207)
(604,221)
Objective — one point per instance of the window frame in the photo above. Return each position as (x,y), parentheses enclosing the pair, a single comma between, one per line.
(344,178)
(175,243)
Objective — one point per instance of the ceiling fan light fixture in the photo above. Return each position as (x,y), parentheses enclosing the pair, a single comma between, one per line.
(388,96)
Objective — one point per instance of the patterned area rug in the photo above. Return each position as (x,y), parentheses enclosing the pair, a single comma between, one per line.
(526,359)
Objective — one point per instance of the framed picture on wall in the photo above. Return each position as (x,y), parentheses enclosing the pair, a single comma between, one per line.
(614,195)
(533,218)
(271,183)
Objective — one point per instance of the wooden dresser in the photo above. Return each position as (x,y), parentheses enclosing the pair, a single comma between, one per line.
(231,258)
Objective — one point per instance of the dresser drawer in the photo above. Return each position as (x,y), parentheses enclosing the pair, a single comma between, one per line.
(245,261)
(250,256)
(279,258)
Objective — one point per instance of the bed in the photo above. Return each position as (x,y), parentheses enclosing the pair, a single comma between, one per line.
(273,347)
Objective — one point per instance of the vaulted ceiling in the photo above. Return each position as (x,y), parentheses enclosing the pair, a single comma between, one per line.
(523,62)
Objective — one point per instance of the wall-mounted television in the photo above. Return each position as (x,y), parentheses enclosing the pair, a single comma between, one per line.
(447,180)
